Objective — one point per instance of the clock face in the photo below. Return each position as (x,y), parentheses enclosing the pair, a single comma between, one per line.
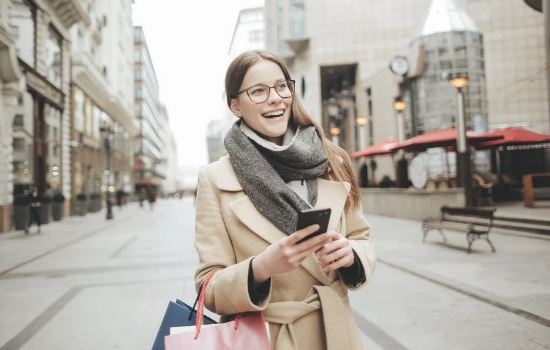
(399,65)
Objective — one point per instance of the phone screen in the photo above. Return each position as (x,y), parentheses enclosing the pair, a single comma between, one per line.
(310,217)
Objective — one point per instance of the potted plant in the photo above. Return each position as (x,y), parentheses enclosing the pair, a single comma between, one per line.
(45,209)
(58,200)
(95,202)
(21,212)
(81,204)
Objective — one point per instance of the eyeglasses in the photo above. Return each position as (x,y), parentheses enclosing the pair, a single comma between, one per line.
(260,93)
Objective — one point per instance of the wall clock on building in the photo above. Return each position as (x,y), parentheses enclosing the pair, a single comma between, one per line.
(399,65)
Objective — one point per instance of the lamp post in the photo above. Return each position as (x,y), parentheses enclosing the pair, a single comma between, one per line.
(401,166)
(464,167)
(362,123)
(107,132)
(400,105)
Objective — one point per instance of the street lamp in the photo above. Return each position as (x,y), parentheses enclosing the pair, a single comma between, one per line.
(107,133)
(464,167)
(362,123)
(400,105)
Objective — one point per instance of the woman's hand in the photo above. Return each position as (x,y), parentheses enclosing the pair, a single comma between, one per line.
(335,254)
(286,254)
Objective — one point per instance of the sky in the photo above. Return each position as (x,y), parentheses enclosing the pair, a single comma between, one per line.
(189,47)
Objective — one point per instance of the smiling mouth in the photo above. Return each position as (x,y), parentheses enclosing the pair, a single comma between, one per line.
(274,114)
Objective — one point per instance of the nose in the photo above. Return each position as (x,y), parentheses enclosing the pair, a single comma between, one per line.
(273,96)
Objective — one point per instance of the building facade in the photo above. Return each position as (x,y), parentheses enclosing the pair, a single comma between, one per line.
(346,45)
(149,169)
(102,95)
(37,106)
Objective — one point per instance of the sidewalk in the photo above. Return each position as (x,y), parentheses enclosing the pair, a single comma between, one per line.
(435,295)
(17,248)
(88,283)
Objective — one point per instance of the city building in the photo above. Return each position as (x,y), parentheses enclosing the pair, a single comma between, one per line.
(37,106)
(340,54)
(102,96)
(10,75)
(149,169)
(249,31)
(169,166)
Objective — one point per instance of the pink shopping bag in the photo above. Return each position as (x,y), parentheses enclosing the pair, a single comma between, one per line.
(246,332)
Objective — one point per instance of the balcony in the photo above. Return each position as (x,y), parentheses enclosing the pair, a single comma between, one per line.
(9,69)
(70,11)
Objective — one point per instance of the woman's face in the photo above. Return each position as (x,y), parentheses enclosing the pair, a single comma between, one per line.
(269,118)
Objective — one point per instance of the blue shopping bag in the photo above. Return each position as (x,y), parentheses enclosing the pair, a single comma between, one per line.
(178,314)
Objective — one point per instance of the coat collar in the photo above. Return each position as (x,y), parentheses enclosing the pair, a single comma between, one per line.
(331,194)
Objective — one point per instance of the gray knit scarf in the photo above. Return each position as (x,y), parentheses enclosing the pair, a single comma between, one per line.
(264,173)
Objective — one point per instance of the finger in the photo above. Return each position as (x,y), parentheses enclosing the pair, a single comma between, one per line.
(332,246)
(298,235)
(345,261)
(300,256)
(311,243)
(334,256)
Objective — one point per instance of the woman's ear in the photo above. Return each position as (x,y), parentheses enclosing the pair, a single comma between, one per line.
(235,108)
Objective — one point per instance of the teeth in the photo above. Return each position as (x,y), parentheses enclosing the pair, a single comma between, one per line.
(273,114)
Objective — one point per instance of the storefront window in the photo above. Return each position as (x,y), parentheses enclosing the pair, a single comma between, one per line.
(23,30)
(53,137)
(53,57)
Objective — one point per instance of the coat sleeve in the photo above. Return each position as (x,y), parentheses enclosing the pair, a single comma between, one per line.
(358,233)
(228,291)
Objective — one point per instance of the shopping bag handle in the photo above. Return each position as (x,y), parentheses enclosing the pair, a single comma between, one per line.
(200,308)
(200,301)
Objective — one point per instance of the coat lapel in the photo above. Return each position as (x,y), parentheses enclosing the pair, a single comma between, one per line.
(331,194)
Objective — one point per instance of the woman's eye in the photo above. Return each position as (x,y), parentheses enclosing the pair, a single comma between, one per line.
(282,86)
(257,91)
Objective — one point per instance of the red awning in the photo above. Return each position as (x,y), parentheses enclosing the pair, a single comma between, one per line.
(515,136)
(442,138)
(385,147)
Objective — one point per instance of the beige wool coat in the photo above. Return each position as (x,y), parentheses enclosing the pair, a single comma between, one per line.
(307,309)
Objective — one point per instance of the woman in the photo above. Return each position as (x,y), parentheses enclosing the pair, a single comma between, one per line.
(278,164)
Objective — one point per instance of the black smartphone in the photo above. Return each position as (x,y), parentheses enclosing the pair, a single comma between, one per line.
(314,216)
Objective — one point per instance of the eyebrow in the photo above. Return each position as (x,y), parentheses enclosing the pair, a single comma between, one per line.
(264,84)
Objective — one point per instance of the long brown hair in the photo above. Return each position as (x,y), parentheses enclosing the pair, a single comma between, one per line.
(340,167)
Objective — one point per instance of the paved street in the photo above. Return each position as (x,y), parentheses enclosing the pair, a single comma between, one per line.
(85,283)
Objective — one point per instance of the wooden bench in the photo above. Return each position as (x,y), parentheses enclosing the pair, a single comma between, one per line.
(475,222)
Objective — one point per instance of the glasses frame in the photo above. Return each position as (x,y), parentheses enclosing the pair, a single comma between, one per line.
(269,92)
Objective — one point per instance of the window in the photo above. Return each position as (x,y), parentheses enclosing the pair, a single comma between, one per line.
(18,120)
(18,144)
(369,113)
(255,36)
(53,57)
(23,29)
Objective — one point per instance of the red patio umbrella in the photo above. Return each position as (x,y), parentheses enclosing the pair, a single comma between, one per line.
(515,136)
(442,138)
(385,147)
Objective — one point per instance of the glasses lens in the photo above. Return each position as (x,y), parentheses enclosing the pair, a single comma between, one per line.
(285,88)
(258,94)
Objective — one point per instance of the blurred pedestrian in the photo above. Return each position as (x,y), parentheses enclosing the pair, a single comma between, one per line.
(35,205)
(119,198)
(151,196)
(142,196)
(280,162)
